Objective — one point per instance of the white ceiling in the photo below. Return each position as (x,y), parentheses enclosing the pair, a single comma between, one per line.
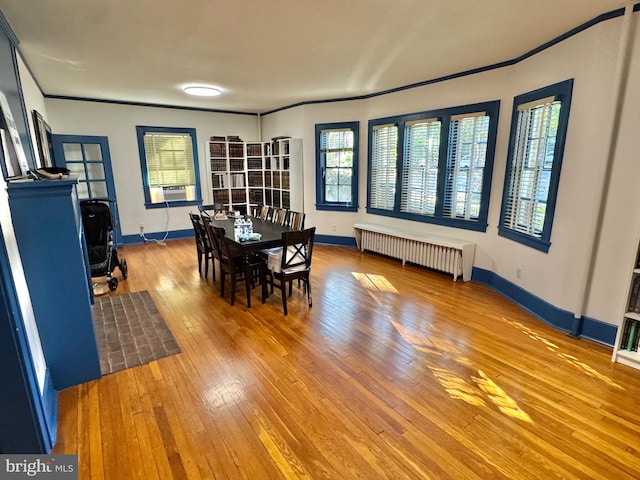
(266,54)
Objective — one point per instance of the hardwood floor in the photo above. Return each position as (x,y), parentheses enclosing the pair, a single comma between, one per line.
(394,373)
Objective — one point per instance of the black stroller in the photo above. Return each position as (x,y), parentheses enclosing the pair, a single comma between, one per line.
(98,230)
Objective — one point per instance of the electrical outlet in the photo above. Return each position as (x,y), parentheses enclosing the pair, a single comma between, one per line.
(518,272)
(333,228)
(141,230)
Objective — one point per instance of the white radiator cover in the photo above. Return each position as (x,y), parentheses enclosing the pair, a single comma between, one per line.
(440,253)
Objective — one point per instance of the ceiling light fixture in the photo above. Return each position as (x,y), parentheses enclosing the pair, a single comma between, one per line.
(202,91)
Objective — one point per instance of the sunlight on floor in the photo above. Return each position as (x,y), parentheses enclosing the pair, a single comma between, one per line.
(374,282)
(478,390)
(570,359)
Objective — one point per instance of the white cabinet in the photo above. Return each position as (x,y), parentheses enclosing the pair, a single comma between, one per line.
(625,349)
(245,174)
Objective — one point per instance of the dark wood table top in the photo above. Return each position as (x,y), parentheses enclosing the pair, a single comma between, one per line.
(271,233)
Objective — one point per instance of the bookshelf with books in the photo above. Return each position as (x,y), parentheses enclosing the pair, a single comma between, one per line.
(625,349)
(245,174)
(284,169)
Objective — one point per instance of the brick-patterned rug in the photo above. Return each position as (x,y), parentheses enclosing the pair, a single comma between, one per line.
(130,331)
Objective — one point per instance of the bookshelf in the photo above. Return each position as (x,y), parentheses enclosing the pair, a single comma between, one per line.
(244,174)
(625,349)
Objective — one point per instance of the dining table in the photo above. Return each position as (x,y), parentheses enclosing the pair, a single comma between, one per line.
(270,237)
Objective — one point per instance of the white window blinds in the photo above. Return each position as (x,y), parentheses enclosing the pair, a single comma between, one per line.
(466,158)
(530,173)
(384,154)
(420,169)
(170,160)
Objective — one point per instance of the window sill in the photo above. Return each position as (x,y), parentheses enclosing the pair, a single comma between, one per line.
(182,203)
(477,226)
(336,208)
(532,242)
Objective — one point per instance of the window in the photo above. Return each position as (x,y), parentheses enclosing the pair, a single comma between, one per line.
(337,166)
(443,169)
(538,131)
(169,170)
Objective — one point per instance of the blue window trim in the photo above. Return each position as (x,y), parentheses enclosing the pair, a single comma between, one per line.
(321,203)
(492,109)
(140,132)
(562,91)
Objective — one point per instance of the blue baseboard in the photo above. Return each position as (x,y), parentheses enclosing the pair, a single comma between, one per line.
(336,240)
(585,327)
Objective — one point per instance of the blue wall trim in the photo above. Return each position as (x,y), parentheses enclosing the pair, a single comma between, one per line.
(8,31)
(336,240)
(592,329)
(50,407)
(152,105)
(159,236)
(580,28)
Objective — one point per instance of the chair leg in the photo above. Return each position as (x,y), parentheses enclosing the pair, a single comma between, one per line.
(263,282)
(206,265)
(213,269)
(283,288)
(248,281)
(199,262)
(307,282)
(233,289)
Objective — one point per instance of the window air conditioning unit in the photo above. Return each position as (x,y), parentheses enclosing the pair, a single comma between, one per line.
(174,194)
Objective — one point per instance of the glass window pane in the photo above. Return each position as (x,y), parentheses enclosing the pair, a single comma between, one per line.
(77,169)
(333,159)
(72,152)
(98,189)
(344,176)
(95,171)
(345,193)
(331,176)
(92,151)
(331,193)
(83,190)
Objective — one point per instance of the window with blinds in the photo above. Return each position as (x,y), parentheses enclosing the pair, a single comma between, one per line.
(167,159)
(466,159)
(336,166)
(443,167)
(420,170)
(383,167)
(538,133)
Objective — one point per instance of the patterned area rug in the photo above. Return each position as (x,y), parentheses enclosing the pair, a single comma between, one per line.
(130,331)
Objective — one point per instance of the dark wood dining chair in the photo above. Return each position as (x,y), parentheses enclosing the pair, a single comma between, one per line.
(233,263)
(278,215)
(203,246)
(294,220)
(268,215)
(215,249)
(291,262)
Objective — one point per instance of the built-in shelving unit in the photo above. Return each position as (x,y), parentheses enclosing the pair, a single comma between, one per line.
(245,174)
(626,345)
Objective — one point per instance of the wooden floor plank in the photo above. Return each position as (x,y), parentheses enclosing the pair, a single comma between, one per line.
(395,372)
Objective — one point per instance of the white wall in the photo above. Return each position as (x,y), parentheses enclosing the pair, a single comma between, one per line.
(589,58)
(33,100)
(118,123)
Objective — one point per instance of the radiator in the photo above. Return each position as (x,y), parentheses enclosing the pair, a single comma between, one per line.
(439,253)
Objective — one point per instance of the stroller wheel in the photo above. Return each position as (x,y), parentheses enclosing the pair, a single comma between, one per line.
(123,269)
(113,284)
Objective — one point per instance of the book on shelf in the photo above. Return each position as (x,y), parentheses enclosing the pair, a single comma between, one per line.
(630,336)
(634,296)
